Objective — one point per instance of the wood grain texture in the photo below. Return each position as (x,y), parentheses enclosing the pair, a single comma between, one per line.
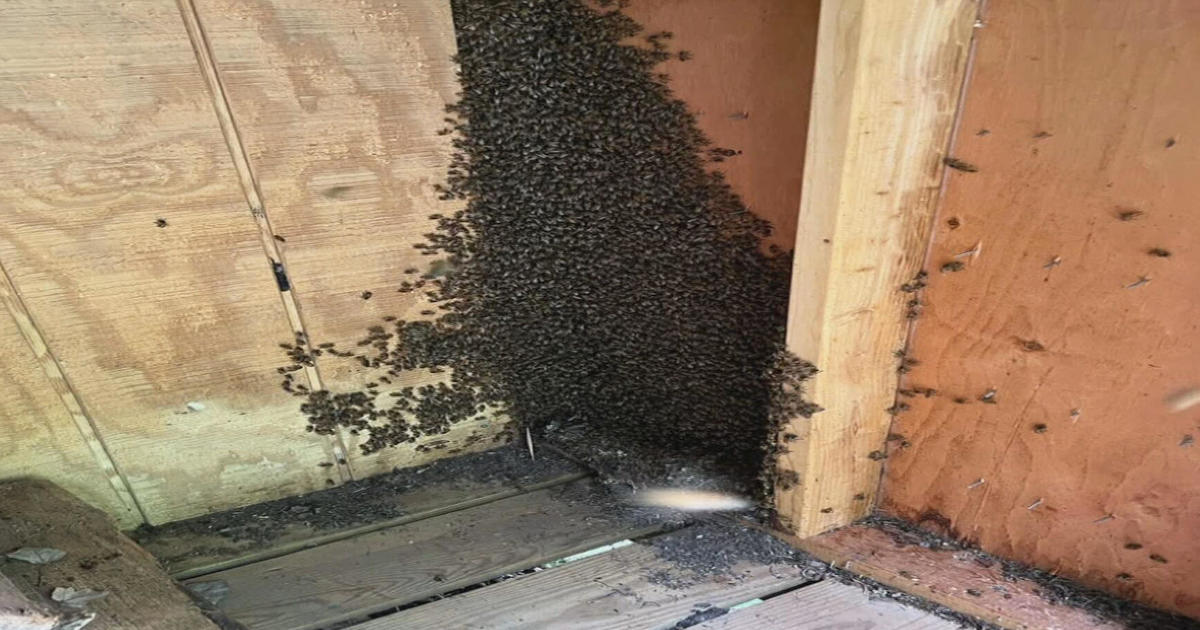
(250,188)
(369,573)
(107,127)
(1089,112)
(611,590)
(827,605)
(749,81)
(885,93)
(141,596)
(187,554)
(339,107)
(43,428)
(944,576)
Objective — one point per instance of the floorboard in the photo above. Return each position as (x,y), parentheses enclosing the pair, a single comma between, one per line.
(355,577)
(187,553)
(612,590)
(827,605)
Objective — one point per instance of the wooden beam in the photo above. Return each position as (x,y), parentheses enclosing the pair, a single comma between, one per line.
(885,95)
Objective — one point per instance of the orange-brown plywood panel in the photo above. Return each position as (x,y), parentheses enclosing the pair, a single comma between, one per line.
(749,79)
(1079,309)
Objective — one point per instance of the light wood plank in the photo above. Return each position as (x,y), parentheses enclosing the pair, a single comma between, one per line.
(141,596)
(237,153)
(885,93)
(611,590)
(952,579)
(188,554)
(828,605)
(1080,99)
(107,127)
(339,107)
(41,434)
(368,573)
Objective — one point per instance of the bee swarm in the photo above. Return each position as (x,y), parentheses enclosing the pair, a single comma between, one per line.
(603,286)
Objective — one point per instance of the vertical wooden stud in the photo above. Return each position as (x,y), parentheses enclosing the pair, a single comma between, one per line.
(885,95)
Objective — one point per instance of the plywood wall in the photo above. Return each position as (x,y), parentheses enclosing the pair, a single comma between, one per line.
(159,158)
(748,77)
(1078,310)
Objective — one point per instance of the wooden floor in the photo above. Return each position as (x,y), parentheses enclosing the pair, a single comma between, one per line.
(89,554)
(515,561)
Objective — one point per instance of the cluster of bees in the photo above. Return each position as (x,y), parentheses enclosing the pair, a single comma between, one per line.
(601,283)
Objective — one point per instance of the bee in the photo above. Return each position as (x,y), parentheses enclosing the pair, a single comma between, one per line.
(960,165)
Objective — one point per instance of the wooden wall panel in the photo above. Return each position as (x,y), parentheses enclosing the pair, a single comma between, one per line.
(339,107)
(749,80)
(40,438)
(108,128)
(1079,114)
